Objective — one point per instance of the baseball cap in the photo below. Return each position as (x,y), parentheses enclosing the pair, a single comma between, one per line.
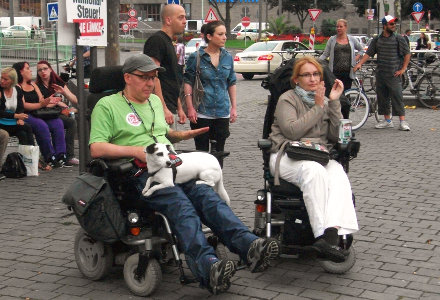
(387,19)
(140,62)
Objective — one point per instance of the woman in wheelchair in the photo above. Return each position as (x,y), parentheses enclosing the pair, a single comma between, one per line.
(304,113)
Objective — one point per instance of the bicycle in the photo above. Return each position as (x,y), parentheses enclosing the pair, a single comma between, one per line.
(361,106)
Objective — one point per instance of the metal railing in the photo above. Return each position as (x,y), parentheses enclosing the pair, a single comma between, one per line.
(40,47)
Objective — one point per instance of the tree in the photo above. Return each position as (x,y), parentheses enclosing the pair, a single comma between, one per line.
(328,27)
(362,5)
(433,5)
(278,26)
(229,4)
(300,7)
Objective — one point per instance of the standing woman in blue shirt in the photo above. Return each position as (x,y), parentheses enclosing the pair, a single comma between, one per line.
(219,106)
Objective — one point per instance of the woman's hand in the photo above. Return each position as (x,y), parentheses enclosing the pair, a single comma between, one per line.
(21,116)
(192,114)
(45,102)
(337,90)
(58,89)
(54,100)
(320,94)
(233,115)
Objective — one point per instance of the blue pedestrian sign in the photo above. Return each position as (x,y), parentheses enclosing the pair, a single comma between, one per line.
(417,7)
(174,2)
(52,11)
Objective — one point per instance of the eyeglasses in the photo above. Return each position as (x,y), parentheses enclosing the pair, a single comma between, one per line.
(42,69)
(144,77)
(391,24)
(310,75)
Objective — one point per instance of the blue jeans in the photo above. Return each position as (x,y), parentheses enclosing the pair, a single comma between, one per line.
(189,205)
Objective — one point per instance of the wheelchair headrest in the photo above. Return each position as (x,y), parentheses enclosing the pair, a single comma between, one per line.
(105,79)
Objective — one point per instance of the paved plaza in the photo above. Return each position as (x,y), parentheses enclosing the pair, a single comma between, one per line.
(396,180)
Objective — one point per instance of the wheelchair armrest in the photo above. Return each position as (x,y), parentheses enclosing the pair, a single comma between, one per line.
(264,144)
(99,166)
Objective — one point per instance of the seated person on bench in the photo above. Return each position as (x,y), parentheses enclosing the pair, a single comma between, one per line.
(304,113)
(122,125)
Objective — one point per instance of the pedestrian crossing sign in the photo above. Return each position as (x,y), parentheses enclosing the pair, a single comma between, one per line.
(52,11)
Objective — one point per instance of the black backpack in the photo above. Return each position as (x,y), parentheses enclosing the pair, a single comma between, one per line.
(95,206)
(14,167)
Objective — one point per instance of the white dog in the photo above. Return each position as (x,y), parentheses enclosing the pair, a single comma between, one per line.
(195,165)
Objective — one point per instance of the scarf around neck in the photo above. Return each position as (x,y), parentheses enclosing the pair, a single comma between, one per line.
(307,97)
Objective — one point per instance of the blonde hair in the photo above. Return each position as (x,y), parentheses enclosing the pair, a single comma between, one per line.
(301,62)
(12,74)
(343,21)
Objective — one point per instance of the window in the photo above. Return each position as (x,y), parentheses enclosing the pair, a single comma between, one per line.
(187,7)
(149,12)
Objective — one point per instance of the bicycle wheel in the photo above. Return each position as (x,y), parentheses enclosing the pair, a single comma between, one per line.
(359,108)
(405,81)
(428,90)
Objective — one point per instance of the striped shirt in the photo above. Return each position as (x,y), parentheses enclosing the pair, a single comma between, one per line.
(390,52)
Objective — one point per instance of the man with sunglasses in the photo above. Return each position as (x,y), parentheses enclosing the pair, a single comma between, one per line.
(393,57)
(122,125)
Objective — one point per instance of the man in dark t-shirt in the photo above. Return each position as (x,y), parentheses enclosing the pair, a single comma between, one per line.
(160,48)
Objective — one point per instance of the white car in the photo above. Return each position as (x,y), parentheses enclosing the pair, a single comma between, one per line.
(430,34)
(192,47)
(17,31)
(251,34)
(260,57)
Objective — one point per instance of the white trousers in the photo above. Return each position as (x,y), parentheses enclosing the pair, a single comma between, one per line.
(326,192)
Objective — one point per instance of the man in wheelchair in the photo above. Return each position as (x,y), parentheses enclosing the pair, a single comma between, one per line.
(305,114)
(122,125)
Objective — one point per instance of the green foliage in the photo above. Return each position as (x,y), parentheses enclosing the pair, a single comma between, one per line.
(328,27)
(292,29)
(277,26)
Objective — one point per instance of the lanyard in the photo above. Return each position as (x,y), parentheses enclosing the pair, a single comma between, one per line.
(139,117)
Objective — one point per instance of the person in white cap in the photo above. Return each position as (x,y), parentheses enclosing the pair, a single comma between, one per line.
(393,57)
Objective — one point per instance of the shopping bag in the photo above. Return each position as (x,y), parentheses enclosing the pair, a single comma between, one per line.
(31,155)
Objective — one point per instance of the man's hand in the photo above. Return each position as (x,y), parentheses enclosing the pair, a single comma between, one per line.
(20,122)
(21,116)
(399,73)
(233,115)
(181,115)
(192,114)
(337,90)
(169,117)
(357,67)
(177,136)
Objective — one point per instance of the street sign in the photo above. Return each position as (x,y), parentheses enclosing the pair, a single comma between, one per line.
(125,27)
(417,7)
(314,13)
(132,12)
(132,22)
(173,2)
(417,16)
(52,11)
(246,21)
(210,17)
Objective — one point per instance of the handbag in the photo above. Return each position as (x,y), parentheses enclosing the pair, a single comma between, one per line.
(197,89)
(31,155)
(306,150)
(47,113)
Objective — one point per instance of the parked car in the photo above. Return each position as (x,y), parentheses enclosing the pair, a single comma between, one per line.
(17,31)
(430,34)
(191,47)
(261,56)
(251,34)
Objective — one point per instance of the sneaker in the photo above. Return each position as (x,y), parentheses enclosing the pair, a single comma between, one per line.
(73,161)
(2,177)
(220,276)
(330,252)
(260,251)
(384,124)
(404,126)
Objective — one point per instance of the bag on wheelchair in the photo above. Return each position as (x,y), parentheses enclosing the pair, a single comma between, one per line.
(96,208)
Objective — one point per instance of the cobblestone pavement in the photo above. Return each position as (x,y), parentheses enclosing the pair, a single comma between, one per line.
(395,180)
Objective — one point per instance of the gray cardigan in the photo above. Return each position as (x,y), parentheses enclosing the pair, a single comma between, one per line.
(330,52)
(295,121)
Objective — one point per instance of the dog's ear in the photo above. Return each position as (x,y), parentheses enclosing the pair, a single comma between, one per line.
(151,149)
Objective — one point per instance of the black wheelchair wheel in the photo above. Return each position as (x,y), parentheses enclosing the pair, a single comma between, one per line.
(339,268)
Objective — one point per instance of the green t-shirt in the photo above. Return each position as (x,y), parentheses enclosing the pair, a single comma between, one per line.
(114,122)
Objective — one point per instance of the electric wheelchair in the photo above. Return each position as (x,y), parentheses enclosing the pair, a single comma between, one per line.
(280,211)
(149,241)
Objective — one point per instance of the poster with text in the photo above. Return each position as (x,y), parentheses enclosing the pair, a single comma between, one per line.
(91,16)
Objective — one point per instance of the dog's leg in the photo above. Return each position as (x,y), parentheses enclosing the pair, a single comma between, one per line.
(147,186)
(209,177)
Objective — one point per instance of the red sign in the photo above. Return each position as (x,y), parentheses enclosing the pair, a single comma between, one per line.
(246,21)
(132,12)
(314,13)
(90,27)
(125,27)
(210,17)
(132,22)
(417,16)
